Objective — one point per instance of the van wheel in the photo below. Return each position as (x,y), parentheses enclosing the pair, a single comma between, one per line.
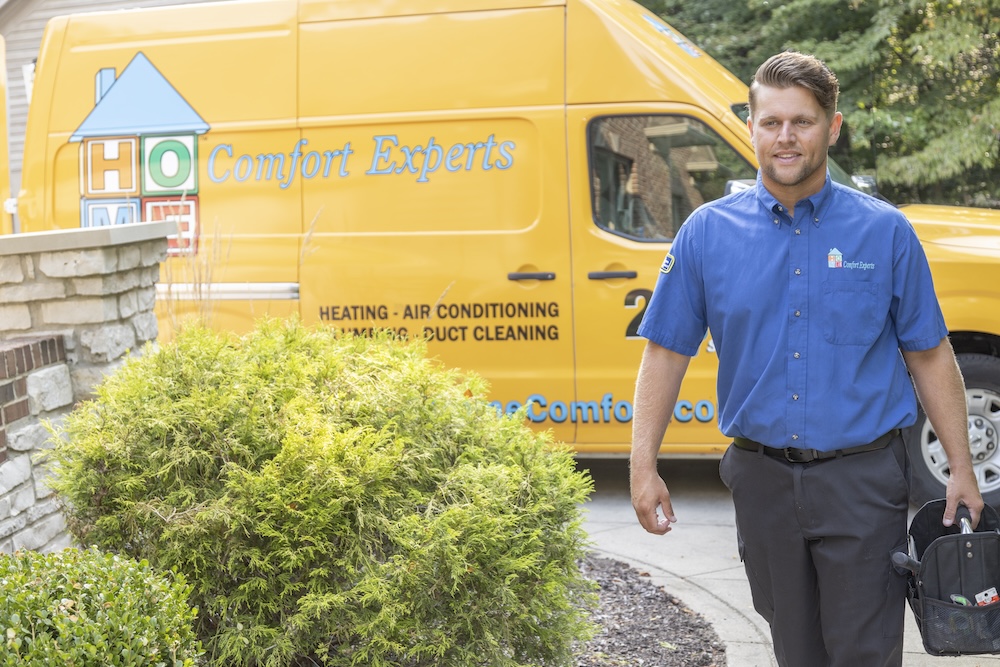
(928,464)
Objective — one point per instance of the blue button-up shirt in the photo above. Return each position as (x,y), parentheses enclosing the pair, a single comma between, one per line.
(807,313)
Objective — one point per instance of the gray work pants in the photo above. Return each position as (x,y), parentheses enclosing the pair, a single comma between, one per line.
(816,539)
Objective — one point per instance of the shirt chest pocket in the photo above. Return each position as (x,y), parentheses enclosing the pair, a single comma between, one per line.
(850,312)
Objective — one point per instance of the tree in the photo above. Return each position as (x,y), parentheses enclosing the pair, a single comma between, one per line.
(920,81)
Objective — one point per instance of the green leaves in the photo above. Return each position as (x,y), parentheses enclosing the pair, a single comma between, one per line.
(333,500)
(920,80)
(87,608)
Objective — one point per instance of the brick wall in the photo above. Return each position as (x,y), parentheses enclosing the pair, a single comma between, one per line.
(31,371)
(73,305)
(17,361)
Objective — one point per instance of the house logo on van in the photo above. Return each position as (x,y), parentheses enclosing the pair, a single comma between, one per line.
(139,155)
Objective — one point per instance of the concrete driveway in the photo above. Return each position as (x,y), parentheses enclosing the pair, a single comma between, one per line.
(698,562)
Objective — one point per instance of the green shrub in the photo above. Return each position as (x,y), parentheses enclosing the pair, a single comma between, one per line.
(333,500)
(88,609)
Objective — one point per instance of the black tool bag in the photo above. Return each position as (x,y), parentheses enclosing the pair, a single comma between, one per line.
(954,574)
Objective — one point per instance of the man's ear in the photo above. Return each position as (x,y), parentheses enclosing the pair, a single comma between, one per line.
(835,124)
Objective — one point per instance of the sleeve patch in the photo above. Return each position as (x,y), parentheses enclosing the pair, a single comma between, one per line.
(668,264)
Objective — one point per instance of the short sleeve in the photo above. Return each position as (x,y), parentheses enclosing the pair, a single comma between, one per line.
(676,315)
(915,309)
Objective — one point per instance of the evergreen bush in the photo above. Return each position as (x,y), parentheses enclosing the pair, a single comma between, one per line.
(88,609)
(333,500)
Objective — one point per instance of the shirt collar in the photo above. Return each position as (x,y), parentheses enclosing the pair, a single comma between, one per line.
(817,201)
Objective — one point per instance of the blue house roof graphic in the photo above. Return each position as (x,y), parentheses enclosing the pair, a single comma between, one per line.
(139,102)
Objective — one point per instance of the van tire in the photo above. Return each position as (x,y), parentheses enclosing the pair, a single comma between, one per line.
(928,464)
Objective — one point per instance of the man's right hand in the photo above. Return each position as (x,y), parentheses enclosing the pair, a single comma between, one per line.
(656,389)
(649,494)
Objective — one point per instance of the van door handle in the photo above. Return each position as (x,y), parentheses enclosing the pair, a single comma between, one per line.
(608,275)
(532,275)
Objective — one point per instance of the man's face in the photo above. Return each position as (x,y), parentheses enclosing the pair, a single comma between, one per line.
(791,134)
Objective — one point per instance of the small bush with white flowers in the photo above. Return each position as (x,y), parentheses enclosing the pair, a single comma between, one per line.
(333,500)
(86,608)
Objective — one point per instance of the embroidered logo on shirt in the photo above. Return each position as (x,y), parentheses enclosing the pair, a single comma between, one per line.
(668,263)
(835,260)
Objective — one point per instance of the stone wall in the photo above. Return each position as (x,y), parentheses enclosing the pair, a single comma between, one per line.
(73,305)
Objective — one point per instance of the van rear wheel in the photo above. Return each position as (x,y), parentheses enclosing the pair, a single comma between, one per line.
(929,468)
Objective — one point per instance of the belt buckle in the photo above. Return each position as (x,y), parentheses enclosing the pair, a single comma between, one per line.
(796,455)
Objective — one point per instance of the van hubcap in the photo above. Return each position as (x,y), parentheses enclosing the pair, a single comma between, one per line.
(984,441)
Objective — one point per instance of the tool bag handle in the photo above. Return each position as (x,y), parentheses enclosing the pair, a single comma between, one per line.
(964,517)
(926,525)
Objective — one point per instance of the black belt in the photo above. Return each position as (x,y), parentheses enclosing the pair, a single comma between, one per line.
(796,455)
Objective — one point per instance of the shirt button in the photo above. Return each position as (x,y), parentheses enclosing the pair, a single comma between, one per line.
(798,231)
(798,272)
(795,436)
(796,355)
(795,397)
(798,313)
(777,222)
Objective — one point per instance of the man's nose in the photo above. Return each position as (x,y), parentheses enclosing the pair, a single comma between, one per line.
(786,132)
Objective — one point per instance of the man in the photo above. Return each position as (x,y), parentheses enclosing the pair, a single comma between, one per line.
(820,302)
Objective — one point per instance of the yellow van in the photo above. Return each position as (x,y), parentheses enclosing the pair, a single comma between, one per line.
(503,177)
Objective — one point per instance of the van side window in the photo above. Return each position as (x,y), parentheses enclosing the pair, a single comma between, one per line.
(650,172)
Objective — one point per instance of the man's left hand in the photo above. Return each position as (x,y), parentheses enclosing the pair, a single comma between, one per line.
(963,490)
